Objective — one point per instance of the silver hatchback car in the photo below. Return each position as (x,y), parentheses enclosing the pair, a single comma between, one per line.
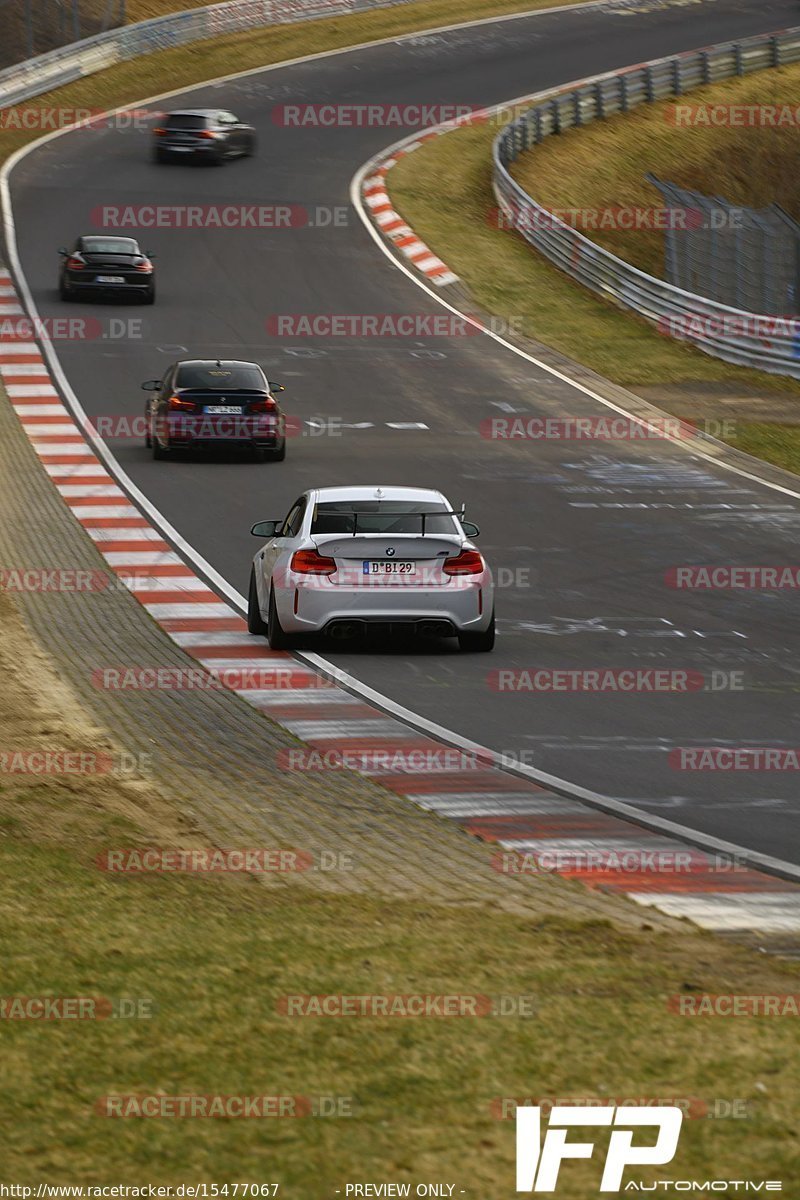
(392,558)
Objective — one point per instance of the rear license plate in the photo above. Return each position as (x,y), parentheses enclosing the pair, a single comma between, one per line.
(234,410)
(110,278)
(372,567)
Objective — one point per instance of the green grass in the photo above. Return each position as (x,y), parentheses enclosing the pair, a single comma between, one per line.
(604,164)
(444,191)
(215,956)
(169,69)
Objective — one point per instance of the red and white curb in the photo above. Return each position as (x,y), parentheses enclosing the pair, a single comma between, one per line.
(533,828)
(392,225)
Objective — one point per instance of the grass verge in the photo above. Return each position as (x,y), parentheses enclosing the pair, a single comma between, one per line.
(186,65)
(603,165)
(444,191)
(213,956)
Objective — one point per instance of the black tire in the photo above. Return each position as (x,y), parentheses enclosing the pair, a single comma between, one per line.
(148,438)
(159,453)
(149,296)
(278,640)
(277,455)
(160,157)
(477,643)
(63,291)
(255,622)
(249,149)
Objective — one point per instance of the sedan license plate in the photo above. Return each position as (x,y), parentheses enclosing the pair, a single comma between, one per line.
(373,567)
(110,278)
(234,410)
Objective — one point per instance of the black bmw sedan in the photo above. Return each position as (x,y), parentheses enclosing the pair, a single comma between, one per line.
(202,404)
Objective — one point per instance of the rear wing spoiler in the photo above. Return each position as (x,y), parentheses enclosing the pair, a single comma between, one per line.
(442,512)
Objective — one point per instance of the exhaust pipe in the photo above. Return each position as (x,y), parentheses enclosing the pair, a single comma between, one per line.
(345,629)
(434,628)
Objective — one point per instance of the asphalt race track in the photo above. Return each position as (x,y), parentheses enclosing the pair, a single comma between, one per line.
(584,532)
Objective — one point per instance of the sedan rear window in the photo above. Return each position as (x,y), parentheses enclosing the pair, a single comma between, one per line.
(210,377)
(179,121)
(381,516)
(111,246)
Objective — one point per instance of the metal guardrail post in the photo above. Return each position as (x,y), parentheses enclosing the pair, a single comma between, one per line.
(737,335)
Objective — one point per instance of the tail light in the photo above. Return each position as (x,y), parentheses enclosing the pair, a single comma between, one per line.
(266,405)
(178,405)
(468,562)
(159,132)
(311,562)
(145,266)
(208,133)
(75,263)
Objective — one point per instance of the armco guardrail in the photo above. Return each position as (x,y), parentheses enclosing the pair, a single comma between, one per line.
(749,339)
(58,67)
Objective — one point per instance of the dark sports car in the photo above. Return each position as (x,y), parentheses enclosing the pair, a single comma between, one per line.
(108,265)
(205,403)
(208,134)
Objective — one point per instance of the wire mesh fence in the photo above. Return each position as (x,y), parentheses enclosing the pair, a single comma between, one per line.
(745,257)
(736,332)
(31,27)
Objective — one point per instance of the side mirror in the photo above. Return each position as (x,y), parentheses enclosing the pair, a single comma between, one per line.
(152,385)
(149,254)
(63,251)
(277,387)
(265,529)
(470,529)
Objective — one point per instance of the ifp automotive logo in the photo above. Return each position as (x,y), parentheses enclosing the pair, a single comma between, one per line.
(538,1163)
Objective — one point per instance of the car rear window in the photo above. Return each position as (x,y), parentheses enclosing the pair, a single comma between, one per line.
(179,121)
(381,516)
(115,246)
(208,376)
